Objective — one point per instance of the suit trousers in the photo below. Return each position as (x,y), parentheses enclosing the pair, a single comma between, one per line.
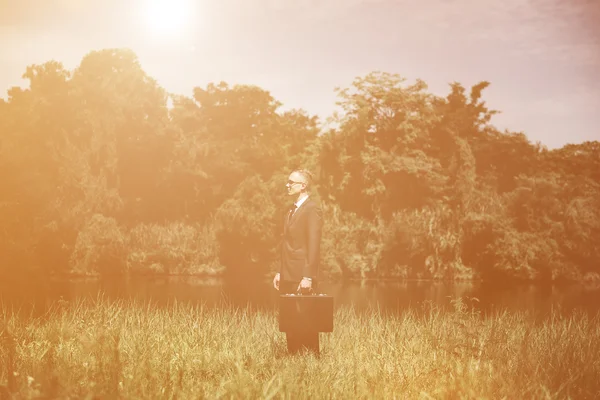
(302,340)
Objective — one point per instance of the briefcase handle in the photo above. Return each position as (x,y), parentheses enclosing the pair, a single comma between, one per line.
(311,292)
(299,291)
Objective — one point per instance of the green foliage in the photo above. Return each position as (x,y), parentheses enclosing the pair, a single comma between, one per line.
(351,246)
(424,244)
(173,249)
(99,247)
(375,162)
(97,169)
(247,227)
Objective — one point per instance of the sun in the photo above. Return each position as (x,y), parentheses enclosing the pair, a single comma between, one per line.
(167,18)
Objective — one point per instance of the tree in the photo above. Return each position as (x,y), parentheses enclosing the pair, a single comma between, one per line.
(376,162)
(226,135)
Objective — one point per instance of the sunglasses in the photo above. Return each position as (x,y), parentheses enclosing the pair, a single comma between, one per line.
(293,183)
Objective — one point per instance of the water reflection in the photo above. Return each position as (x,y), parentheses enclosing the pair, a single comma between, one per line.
(388,297)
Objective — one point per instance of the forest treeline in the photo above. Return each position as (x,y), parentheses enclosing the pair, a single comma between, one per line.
(103,172)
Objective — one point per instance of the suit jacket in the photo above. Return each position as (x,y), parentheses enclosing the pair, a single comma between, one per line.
(301,243)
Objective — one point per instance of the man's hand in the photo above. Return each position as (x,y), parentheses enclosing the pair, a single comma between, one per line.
(305,285)
(276,281)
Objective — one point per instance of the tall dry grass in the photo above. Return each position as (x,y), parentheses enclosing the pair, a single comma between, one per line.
(134,350)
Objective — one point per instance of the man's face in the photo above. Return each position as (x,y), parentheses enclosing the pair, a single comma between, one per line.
(295,183)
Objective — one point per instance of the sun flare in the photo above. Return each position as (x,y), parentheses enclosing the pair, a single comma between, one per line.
(167,18)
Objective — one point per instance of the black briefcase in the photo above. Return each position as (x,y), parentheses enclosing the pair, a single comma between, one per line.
(305,312)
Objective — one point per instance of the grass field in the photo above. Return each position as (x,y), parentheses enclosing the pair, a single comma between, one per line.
(110,349)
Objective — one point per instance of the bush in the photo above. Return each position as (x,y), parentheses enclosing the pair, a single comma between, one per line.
(424,244)
(173,249)
(351,246)
(99,247)
(248,227)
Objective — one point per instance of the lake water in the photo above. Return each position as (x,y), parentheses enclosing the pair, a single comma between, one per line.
(389,297)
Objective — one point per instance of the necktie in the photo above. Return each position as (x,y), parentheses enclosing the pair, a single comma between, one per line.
(292,209)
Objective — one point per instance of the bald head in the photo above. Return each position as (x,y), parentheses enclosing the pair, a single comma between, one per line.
(305,176)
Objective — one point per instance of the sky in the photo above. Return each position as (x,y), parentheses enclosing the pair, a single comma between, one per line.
(542,57)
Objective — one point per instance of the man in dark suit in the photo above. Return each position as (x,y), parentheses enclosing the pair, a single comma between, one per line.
(300,246)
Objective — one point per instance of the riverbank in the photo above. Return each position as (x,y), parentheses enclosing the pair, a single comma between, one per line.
(136,350)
